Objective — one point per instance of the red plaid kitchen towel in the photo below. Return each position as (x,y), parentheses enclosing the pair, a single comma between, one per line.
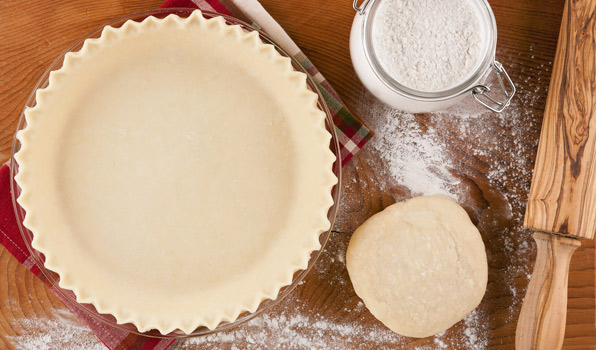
(351,131)
(353,134)
(11,239)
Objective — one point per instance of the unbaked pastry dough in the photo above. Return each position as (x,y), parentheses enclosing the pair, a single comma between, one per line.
(176,172)
(419,266)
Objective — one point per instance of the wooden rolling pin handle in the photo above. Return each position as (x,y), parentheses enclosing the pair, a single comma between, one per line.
(541,324)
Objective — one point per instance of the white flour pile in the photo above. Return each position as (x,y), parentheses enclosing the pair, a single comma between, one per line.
(427,45)
(403,145)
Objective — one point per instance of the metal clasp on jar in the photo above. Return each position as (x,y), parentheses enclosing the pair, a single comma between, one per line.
(480,88)
(481,91)
(362,8)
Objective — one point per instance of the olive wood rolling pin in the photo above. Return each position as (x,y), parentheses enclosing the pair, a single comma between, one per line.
(562,202)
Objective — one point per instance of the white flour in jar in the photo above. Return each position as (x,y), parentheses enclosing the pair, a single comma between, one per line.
(427,45)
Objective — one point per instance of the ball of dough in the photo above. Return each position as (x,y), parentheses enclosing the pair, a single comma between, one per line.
(419,266)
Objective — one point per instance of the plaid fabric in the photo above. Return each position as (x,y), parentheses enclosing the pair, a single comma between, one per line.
(352,133)
(11,239)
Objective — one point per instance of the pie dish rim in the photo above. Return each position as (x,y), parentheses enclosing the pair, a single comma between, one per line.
(265,305)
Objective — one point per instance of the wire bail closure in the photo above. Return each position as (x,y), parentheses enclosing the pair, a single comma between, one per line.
(361,9)
(480,92)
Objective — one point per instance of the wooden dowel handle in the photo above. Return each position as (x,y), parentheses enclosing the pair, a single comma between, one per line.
(541,324)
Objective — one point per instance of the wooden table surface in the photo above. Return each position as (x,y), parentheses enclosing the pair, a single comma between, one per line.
(489,156)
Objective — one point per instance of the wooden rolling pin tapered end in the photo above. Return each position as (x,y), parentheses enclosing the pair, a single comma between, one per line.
(541,324)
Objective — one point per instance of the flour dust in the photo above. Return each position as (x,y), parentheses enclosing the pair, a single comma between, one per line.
(63,331)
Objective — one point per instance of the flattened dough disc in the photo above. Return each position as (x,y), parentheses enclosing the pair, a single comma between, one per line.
(419,266)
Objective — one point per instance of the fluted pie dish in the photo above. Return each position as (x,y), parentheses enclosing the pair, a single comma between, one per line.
(175,172)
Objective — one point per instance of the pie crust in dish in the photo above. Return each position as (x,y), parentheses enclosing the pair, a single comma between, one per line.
(175,172)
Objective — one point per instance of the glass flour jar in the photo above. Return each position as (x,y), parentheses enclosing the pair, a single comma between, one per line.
(381,84)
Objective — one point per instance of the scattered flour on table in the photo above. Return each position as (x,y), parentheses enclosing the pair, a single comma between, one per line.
(293,330)
(293,325)
(62,332)
(427,45)
(420,160)
(300,332)
(417,152)
(413,157)
(475,331)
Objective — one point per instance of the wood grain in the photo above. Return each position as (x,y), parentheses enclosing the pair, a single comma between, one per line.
(493,181)
(563,187)
(563,194)
(542,319)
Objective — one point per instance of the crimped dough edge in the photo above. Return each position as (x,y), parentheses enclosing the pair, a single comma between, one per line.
(56,264)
